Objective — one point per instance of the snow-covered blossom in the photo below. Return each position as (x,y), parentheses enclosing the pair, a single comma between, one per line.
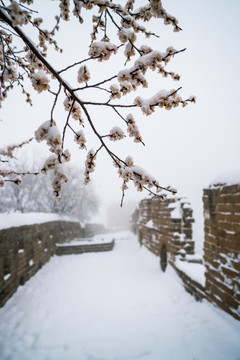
(9,149)
(34,62)
(64,8)
(102,50)
(126,34)
(40,81)
(129,51)
(80,139)
(56,159)
(115,92)
(132,128)
(70,104)
(129,161)
(83,74)
(164,98)
(49,131)
(50,163)
(89,165)
(125,87)
(17,180)
(116,133)
(58,181)
(18,15)
(140,177)
(5,170)
(9,74)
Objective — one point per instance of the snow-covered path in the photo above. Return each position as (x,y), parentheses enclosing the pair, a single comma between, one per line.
(113,306)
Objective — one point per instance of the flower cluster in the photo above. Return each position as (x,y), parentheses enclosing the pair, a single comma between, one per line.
(83,74)
(164,99)
(115,92)
(49,131)
(102,50)
(8,150)
(133,77)
(6,173)
(126,35)
(156,9)
(55,159)
(74,107)
(33,62)
(19,16)
(89,165)
(40,81)
(141,179)
(80,139)
(132,128)
(64,9)
(59,179)
(116,133)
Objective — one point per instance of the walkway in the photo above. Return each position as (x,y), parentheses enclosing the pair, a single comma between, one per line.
(113,306)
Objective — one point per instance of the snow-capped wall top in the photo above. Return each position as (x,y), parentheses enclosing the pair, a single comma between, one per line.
(13,219)
(227,177)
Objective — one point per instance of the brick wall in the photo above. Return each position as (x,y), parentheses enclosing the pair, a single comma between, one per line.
(222,247)
(166,227)
(25,249)
(80,249)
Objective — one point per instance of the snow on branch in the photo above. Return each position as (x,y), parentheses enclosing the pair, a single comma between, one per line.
(29,60)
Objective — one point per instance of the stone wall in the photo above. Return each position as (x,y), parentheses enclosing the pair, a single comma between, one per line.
(80,249)
(165,228)
(25,249)
(222,246)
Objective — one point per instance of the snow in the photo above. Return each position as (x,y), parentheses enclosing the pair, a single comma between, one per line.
(115,305)
(193,270)
(176,213)
(150,225)
(13,219)
(228,177)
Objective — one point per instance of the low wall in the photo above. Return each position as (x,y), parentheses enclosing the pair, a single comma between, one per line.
(80,249)
(25,249)
(222,246)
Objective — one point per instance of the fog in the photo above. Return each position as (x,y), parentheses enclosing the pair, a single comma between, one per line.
(185,148)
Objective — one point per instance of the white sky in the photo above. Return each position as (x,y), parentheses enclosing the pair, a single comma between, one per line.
(185,148)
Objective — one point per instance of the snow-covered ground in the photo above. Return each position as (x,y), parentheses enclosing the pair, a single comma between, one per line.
(113,306)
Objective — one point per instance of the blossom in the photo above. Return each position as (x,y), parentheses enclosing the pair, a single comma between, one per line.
(72,105)
(19,16)
(116,133)
(132,128)
(89,165)
(59,179)
(40,81)
(102,50)
(115,92)
(83,74)
(80,139)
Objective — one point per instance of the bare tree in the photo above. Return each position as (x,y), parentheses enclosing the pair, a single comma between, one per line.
(116,32)
(77,200)
(35,195)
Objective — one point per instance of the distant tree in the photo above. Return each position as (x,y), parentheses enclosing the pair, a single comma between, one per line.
(116,29)
(77,199)
(35,195)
